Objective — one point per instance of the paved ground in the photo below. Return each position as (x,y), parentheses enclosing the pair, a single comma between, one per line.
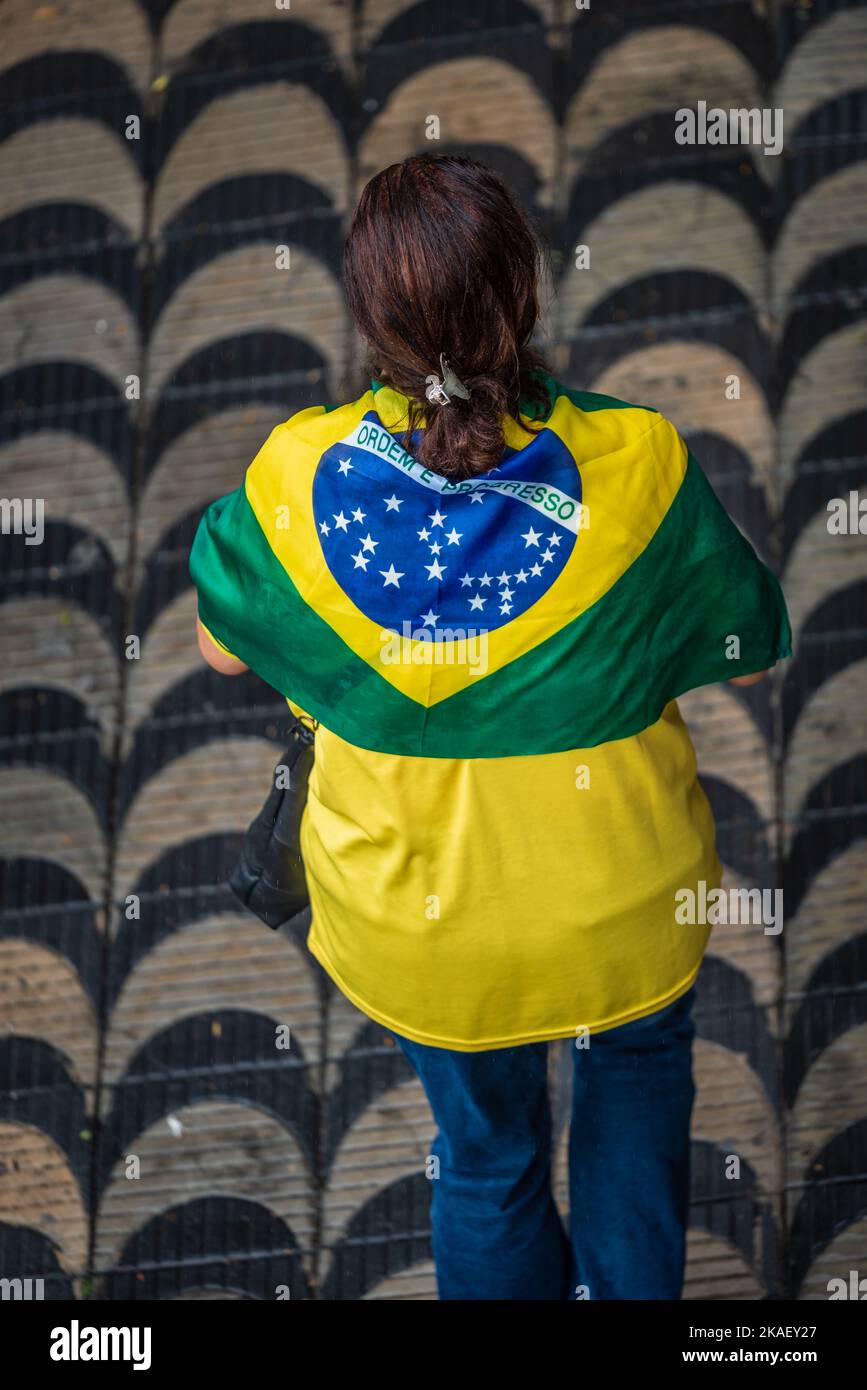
(147,346)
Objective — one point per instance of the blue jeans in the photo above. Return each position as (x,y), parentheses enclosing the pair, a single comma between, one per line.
(496,1231)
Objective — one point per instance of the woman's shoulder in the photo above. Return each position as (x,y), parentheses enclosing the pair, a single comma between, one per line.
(313,421)
(313,427)
(586,402)
(596,425)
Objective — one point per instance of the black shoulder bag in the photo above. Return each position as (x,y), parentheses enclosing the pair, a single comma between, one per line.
(269,876)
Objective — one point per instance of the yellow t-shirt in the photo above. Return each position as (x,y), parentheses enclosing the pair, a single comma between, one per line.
(474,903)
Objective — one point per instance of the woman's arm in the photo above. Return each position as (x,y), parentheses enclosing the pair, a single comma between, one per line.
(748,680)
(215,656)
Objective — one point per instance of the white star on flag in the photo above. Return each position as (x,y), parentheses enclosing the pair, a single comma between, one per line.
(392,503)
(531,537)
(392,576)
(344,466)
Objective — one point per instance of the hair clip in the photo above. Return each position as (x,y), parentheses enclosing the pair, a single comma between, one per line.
(438,389)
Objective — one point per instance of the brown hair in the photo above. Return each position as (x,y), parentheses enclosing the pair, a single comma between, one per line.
(441,257)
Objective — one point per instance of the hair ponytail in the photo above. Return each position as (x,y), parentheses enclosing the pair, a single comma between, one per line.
(441,257)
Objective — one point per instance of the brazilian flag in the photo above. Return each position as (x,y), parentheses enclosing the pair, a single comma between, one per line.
(558,601)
